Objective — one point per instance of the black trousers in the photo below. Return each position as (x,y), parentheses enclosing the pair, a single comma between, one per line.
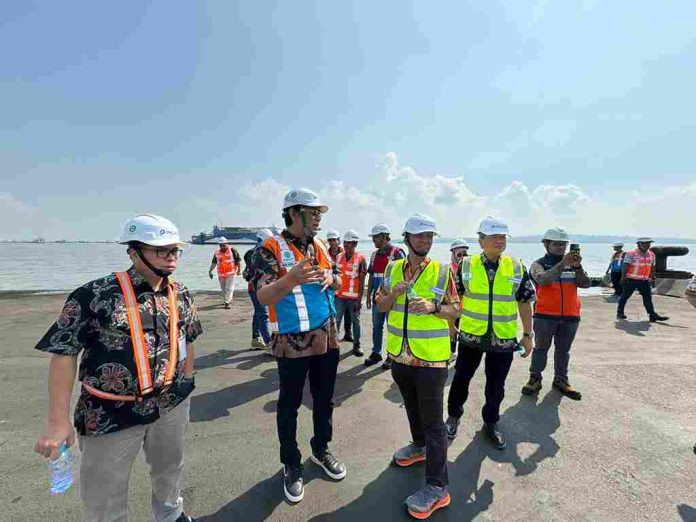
(497,368)
(322,380)
(643,287)
(423,389)
(616,283)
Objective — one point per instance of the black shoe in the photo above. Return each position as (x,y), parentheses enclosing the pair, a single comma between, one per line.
(495,435)
(621,316)
(227,306)
(333,467)
(373,358)
(185,518)
(658,317)
(357,351)
(346,339)
(293,485)
(386,365)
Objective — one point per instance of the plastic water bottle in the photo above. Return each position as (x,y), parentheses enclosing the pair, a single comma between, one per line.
(60,471)
(519,350)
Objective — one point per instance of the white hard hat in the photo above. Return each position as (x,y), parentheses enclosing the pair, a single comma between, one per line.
(645,239)
(419,223)
(380,229)
(264,234)
(351,235)
(619,244)
(333,234)
(491,226)
(304,197)
(555,234)
(150,229)
(459,243)
(222,240)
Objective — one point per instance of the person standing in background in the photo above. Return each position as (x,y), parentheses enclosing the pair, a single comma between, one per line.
(616,268)
(227,261)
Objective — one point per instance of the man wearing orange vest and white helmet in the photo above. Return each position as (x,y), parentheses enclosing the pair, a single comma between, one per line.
(293,274)
(135,330)
(227,261)
(638,274)
(352,268)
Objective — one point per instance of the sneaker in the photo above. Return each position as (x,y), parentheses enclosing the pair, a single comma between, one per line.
(495,435)
(409,455)
(185,518)
(621,316)
(357,351)
(386,365)
(373,358)
(257,344)
(532,387)
(333,467)
(293,485)
(427,500)
(658,317)
(566,389)
(451,426)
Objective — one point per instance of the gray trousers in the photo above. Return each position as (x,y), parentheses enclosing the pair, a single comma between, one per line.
(227,287)
(107,460)
(562,334)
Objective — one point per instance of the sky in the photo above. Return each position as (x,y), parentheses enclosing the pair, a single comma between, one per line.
(577,114)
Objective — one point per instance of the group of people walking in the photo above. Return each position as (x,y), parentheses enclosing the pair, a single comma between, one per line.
(136,330)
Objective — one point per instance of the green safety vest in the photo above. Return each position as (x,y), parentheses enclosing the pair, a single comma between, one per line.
(427,334)
(481,305)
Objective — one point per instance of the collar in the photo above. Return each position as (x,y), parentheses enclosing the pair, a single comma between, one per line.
(384,249)
(421,266)
(302,247)
(487,262)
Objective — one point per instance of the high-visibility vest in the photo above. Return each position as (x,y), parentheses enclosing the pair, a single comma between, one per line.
(427,334)
(306,307)
(225,263)
(483,303)
(139,344)
(640,264)
(559,298)
(349,271)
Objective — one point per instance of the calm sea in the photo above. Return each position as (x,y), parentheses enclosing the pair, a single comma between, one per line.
(63,266)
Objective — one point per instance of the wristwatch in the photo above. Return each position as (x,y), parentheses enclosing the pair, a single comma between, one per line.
(528,335)
(438,308)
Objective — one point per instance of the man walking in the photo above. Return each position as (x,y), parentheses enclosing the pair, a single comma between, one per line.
(557,277)
(380,258)
(260,329)
(351,269)
(639,274)
(294,277)
(420,297)
(616,268)
(494,288)
(135,330)
(227,261)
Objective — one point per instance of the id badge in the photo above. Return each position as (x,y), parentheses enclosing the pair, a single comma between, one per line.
(182,348)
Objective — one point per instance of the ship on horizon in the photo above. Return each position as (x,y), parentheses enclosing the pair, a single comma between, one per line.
(235,235)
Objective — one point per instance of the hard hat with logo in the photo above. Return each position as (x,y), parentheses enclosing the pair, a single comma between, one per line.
(619,244)
(351,235)
(304,197)
(222,240)
(380,229)
(459,243)
(264,234)
(150,229)
(333,234)
(420,223)
(645,239)
(555,234)
(491,226)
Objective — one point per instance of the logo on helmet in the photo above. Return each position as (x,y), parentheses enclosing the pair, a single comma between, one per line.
(161,232)
(132,228)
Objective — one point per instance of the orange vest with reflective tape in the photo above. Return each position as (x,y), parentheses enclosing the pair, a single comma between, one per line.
(349,270)
(640,264)
(560,297)
(225,263)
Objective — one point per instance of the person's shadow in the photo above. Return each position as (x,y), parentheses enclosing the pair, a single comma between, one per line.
(220,358)
(687,513)
(633,327)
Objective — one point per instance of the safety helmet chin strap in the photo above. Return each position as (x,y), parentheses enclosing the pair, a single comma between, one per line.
(307,230)
(407,240)
(157,271)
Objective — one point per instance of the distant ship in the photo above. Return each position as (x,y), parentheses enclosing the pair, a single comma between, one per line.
(235,235)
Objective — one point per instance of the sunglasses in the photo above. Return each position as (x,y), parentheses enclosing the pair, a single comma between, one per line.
(164,253)
(314,212)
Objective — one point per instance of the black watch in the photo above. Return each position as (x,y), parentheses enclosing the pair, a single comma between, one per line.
(438,308)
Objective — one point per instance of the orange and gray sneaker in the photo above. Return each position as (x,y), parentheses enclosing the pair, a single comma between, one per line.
(567,389)
(409,455)
(532,387)
(427,500)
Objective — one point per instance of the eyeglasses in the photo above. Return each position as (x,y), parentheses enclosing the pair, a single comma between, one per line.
(460,254)
(314,212)
(164,253)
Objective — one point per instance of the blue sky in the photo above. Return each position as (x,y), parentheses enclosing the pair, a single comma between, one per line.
(572,113)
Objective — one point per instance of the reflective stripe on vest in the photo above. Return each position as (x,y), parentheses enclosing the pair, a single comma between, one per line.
(559,298)
(427,334)
(350,275)
(640,265)
(225,263)
(477,309)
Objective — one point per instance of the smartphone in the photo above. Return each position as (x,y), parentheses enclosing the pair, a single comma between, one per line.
(574,247)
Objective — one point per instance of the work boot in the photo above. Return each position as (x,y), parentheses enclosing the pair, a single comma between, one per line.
(451,426)
(563,386)
(185,518)
(227,306)
(427,500)
(386,365)
(658,317)
(372,359)
(532,387)
(357,351)
(333,467)
(257,344)
(293,485)
(620,315)
(495,435)
(409,455)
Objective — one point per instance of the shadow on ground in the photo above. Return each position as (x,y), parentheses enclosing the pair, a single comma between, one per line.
(686,512)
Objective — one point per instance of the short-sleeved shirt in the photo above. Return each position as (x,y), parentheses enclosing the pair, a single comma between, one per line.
(264,271)
(235,256)
(94,323)
(450,298)
(489,341)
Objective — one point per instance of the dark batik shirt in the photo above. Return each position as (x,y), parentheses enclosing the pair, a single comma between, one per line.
(94,323)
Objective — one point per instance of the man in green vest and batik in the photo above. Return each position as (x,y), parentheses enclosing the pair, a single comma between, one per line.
(420,297)
(495,289)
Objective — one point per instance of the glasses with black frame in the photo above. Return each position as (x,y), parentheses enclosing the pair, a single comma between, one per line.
(164,253)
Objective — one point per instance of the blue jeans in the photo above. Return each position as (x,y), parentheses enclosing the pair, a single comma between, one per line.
(348,307)
(259,323)
(378,320)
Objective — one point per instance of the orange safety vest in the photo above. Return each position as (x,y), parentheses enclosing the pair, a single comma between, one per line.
(560,297)
(350,275)
(640,264)
(139,344)
(225,263)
